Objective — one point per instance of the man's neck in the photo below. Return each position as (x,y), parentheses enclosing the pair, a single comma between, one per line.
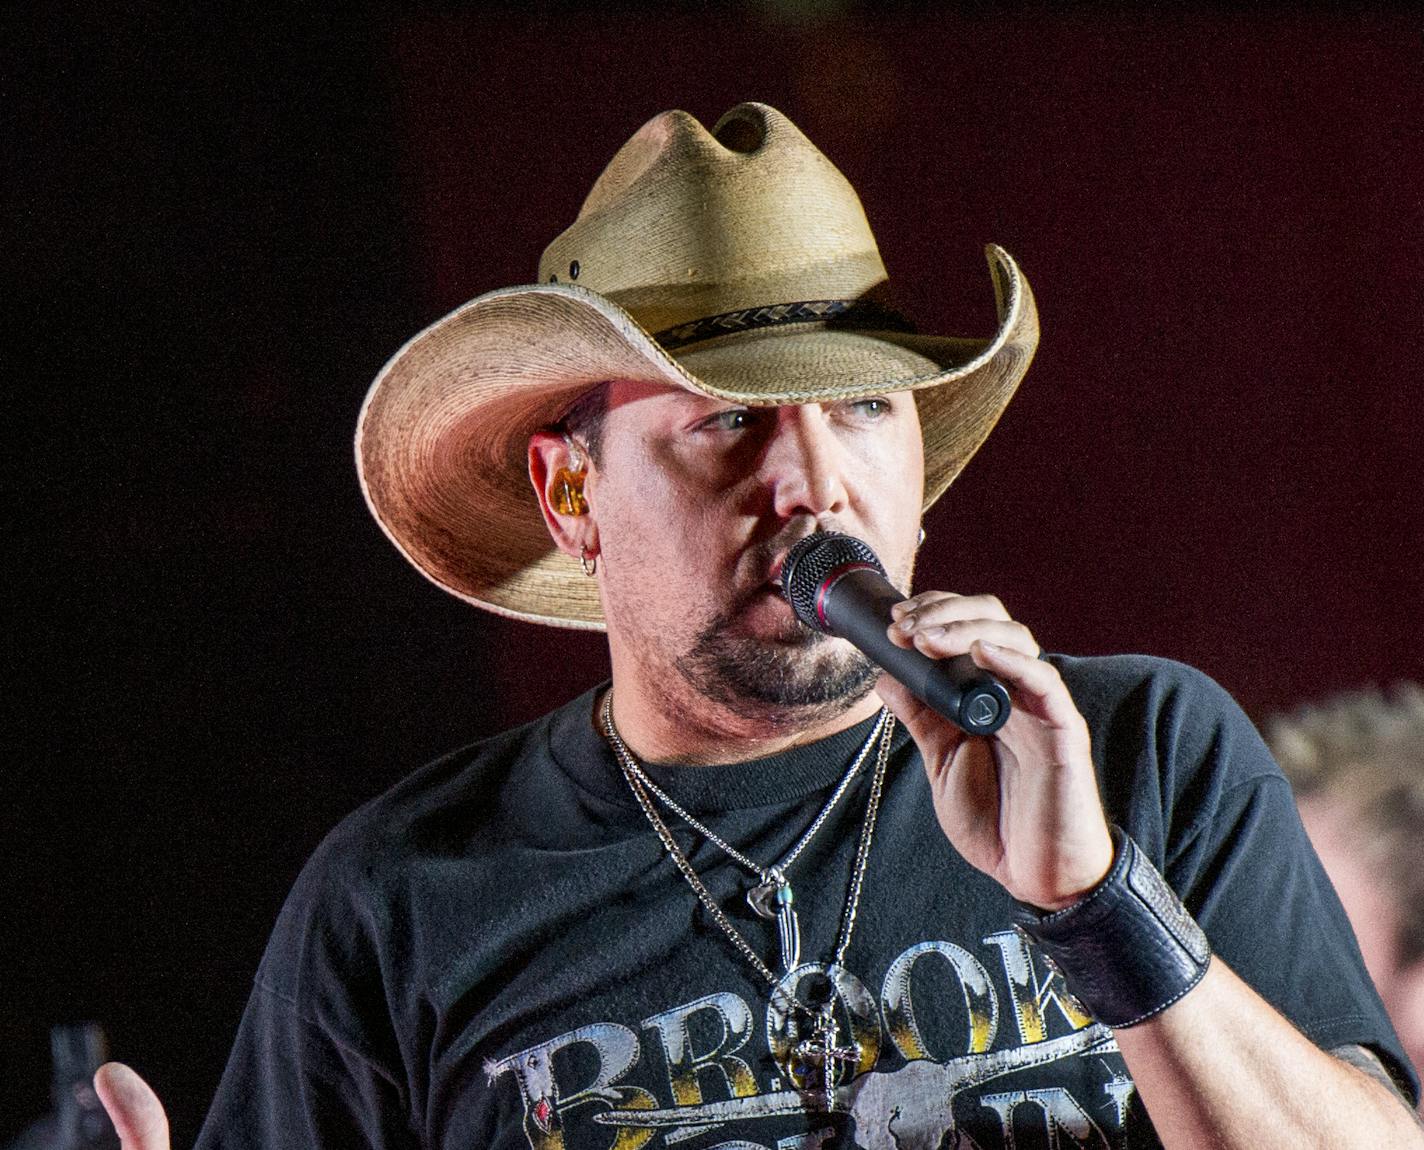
(660,730)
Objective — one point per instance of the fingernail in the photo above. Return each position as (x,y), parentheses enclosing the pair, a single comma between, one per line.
(906,624)
(990,648)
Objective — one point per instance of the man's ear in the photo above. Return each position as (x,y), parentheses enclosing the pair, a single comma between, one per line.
(559,472)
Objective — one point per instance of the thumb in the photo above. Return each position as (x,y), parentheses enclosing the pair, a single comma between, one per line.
(133,1108)
(897,698)
(935,735)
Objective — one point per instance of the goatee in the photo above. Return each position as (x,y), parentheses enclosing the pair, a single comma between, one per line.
(791,676)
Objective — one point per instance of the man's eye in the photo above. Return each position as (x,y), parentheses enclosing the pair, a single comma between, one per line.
(874,405)
(733,419)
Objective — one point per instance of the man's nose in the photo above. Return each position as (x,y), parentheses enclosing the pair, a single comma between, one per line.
(804,464)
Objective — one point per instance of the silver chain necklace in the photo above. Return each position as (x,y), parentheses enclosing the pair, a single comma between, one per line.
(773,897)
(816,1057)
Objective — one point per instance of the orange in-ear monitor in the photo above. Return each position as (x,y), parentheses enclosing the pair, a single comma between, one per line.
(567,492)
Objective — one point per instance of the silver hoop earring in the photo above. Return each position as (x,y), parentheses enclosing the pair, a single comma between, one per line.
(921,543)
(589,569)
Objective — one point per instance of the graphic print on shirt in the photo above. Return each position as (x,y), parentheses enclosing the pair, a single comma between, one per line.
(1047,1075)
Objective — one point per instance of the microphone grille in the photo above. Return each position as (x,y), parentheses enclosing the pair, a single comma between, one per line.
(810,561)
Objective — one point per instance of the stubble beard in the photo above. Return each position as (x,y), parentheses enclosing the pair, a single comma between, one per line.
(792,677)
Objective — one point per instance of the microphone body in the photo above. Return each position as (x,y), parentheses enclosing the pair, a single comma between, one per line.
(836,585)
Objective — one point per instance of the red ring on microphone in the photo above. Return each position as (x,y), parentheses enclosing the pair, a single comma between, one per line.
(830,579)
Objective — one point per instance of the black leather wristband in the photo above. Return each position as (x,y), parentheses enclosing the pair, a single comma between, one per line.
(1127,949)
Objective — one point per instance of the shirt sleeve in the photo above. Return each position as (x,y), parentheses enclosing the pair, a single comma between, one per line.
(318,1061)
(1185,772)
(1254,882)
(291,1083)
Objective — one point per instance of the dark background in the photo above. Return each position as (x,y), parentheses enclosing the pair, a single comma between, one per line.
(216,230)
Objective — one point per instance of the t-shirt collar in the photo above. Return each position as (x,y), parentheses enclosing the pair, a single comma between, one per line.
(585,756)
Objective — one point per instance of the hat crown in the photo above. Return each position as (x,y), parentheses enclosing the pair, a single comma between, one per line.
(685,223)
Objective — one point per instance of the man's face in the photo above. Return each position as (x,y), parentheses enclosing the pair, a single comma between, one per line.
(697,502)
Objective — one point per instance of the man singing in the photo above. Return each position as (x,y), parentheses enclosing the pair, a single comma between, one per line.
(751,893)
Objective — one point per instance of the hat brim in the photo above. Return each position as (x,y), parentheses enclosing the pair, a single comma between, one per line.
(442,438)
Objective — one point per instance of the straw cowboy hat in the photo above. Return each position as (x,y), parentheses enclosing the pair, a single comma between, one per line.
(736,263)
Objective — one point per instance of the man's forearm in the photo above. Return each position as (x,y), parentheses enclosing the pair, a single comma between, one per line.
(1221,1068)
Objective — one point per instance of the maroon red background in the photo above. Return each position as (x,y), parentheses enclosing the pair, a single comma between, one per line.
(222,226)
(1215,454)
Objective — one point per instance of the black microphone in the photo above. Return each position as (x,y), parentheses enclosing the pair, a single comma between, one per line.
(836,585)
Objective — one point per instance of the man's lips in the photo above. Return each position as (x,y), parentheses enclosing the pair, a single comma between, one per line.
(771,585)
(762,592)
(778,564)
(783,546)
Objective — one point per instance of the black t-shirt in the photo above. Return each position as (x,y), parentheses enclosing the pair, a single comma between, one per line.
(499,953)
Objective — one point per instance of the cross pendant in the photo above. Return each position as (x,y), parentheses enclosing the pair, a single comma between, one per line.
(817,1056)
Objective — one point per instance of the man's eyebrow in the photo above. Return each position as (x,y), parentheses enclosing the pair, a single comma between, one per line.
(1364,1059)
